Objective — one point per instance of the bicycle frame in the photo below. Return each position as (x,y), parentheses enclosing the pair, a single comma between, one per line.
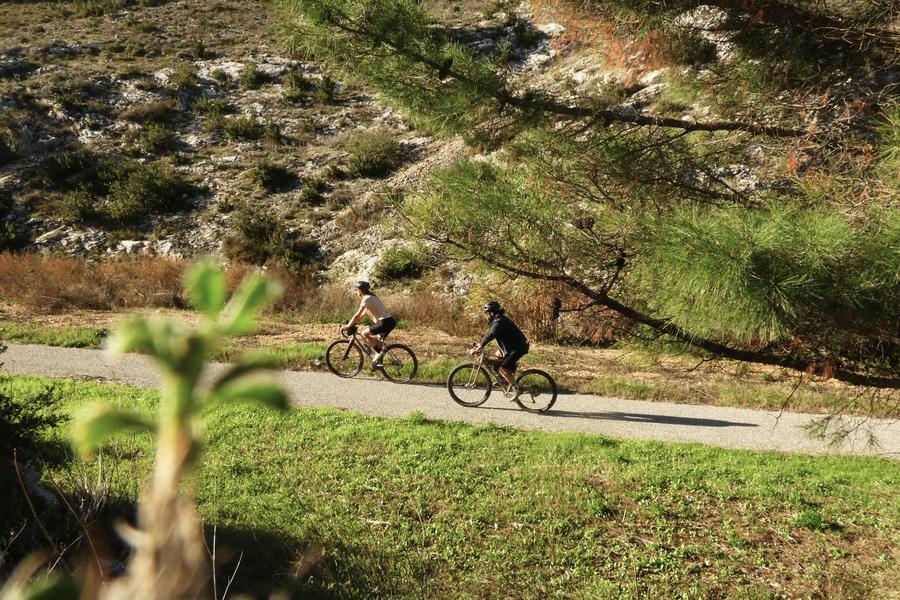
(354,340)
(504,385)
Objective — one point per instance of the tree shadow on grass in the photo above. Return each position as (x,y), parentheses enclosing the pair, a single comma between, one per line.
(259,562)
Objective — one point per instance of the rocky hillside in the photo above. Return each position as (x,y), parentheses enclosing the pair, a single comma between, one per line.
(181,128)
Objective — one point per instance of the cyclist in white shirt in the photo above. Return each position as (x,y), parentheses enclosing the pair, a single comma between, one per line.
(372,306)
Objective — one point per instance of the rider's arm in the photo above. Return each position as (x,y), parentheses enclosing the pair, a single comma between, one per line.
(358,315)
(490,335)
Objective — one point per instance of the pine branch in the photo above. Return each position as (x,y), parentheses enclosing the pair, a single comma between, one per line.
(668,328)
(530,103)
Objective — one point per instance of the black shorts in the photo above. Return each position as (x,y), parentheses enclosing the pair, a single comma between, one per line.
(510,360)
(383,327)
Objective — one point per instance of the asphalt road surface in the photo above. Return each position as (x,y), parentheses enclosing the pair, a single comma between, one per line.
(628,419)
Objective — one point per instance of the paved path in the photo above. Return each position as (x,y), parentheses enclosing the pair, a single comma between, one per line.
(631,419)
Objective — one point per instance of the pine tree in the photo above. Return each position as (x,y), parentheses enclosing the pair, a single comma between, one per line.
(629,209)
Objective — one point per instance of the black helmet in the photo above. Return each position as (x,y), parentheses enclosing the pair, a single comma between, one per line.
(493,307)
(363,285)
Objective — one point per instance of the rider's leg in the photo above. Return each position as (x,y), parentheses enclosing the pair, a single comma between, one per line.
(507,370)
(371,340)
(508,376)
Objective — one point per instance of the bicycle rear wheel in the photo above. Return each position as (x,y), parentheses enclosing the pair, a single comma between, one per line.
(399,363)
(538,391)
(469,385)
(344,359)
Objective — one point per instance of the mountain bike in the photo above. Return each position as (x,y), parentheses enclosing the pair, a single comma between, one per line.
(470,385)
(345,357)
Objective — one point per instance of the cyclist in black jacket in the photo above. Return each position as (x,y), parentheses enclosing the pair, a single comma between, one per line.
(513,343)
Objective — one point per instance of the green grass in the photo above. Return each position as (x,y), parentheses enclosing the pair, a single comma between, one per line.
(436,371)
(69,337)
(300,356)
(414,508)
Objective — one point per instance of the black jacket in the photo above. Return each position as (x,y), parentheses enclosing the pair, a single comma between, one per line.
(509,337)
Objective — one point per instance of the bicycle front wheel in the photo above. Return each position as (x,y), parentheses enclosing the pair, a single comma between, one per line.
(399,363)
(344,359)
(538,391)
(469,385)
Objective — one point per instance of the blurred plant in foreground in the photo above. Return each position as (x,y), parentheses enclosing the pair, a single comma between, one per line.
(170,561)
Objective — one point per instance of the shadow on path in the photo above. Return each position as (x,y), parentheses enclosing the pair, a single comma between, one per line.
(639,418)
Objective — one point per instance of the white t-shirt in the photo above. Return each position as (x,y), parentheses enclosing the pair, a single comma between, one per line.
(374,307)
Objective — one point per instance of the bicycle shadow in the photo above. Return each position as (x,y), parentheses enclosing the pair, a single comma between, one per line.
(637,418)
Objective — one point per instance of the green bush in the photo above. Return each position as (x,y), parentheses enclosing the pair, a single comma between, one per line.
(196,49)
(83,95)
(271,133)
(402,262)
(69,170)
(23,421)
(184,78)
(246,127)
(313,190)
(139,190)
(296,86)
(156,138)
(252,78)
(221,76)
(374,153)
(130,72)
(811,518)
(271,177)
(326,88)
(10,239)
(210,106)
(78,207)
(213,111)
(258,236)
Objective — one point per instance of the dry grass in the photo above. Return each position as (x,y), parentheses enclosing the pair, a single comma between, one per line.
(52,283)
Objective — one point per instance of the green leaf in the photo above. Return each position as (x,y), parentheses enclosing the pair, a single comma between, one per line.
(133,334)
(263,392)
(241,312)
(101,423)
(205,285)
(247,365)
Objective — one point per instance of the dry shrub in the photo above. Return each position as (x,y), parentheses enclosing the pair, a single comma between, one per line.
(427,309)
(151,112)
(55,282)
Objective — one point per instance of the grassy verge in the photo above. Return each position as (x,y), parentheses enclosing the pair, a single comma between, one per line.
(67,336)
(366,506)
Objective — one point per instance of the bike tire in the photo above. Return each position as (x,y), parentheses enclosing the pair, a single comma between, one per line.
(399,363)
(538,391)
(469,387)
(342,360)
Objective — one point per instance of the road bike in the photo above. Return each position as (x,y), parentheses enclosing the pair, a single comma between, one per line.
(345,357)
(470,385)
